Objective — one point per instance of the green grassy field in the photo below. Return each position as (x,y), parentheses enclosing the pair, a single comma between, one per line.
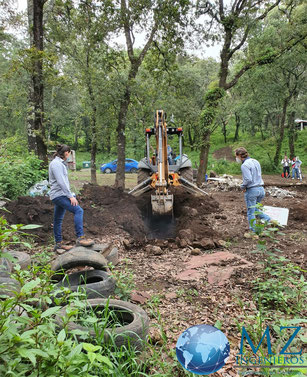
(79,178)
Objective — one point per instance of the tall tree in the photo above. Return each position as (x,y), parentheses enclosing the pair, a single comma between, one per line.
(236,22)
(162,21)
(35,121)
(81,30)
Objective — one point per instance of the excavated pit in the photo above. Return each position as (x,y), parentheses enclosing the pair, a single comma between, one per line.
(110,211)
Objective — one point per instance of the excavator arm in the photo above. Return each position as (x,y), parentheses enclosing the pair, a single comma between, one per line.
(161,201)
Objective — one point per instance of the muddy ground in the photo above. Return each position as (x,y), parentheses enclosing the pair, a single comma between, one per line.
(197,267)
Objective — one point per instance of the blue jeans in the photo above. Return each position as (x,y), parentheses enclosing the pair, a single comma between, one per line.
(253,196)
(295,171)
(61,204)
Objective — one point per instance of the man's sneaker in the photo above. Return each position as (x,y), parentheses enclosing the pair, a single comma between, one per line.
(82,241)
(61,246)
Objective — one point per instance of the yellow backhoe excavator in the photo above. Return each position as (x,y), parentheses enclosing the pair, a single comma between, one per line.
(161,171)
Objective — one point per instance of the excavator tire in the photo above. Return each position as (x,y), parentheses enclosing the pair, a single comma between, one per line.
(187,173)
(143,174)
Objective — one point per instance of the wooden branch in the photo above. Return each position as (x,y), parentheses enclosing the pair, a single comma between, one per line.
(148,43)
(221,8)
(240,44)
(259,62)
(125,18)
(264,14)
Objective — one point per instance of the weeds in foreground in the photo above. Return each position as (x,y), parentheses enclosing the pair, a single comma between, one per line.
(279,292)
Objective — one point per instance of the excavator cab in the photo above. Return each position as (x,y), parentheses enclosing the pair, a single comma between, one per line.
(159,172)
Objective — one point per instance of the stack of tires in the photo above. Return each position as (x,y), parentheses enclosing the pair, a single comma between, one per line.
(98,285)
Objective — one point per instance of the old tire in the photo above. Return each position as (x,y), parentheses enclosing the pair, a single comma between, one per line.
(23,259)
(8,287)
(95,283)
(78,258)
(187,173)
(5,267)
(143,174)
(133,331)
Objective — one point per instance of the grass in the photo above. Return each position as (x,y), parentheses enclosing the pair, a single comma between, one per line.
(262,150)
(78,178)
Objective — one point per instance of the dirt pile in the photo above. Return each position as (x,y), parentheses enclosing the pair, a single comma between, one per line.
(106,211)
(109,211)
(192,225)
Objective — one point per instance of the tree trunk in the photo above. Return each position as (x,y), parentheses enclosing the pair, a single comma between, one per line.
(236,137)
(203,158)
(35,122)
(281,132)
(291,134)
(76,135)
(191,141)
(225,58)
(93,120)
(121,126)
(121,138)
(224,131)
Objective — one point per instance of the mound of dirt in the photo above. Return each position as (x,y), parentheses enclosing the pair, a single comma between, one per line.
(106,211)
(110,211)
(191,219)
(224,153)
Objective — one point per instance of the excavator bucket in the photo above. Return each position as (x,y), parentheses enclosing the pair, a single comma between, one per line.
(162,204)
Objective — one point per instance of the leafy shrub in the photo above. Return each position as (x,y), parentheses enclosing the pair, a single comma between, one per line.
(225,167)
(18,174)
(78,166)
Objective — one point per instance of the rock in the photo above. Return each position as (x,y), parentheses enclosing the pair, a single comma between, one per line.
(194,212)
(195,251)
(127,244)
(218,275)
(221,243)
(212,174)
(186,234)
(161,243)
(183,243)
(189,275)
(205,243)
(155,250)
(212,259)
(139,297)
(61,251)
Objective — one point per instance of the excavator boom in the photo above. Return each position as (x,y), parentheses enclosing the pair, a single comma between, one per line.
(160,172)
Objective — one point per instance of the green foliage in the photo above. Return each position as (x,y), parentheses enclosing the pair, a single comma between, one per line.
(12,234)
(212,99)
(124,281)
(18,174)
(225,167)
(282,286)
(32,344)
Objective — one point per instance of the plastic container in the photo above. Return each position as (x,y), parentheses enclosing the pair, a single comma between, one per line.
(86,164)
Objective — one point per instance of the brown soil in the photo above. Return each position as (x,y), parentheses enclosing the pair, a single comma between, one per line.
(106,211)
(224,153)
(215,225)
